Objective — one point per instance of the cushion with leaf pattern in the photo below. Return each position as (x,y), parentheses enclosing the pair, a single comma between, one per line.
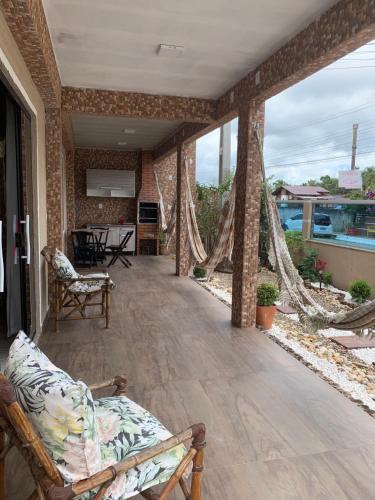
(60,409)
(63,266)
(125,429)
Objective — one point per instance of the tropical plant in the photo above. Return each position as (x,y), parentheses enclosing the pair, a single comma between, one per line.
(199,272)
(267,294)
(360,290)
(307,268)
(208,209)
(327,278)
(296,245)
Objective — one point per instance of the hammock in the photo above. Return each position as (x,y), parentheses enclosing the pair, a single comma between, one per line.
(168,228)
(292,288)
(223,244)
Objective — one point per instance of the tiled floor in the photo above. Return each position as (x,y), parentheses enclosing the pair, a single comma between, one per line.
(275,429)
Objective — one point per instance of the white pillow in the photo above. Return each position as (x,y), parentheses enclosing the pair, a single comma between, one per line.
(60,409)
(63,266)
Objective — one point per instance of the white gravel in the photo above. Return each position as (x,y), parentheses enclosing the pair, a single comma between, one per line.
(331,332)
(221,294)
(365,355)
(328,369)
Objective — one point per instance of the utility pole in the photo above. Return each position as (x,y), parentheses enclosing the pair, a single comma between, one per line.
(354,144)
(224,153)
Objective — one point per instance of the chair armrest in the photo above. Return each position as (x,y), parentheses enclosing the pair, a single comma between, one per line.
(120,382)
(196,432)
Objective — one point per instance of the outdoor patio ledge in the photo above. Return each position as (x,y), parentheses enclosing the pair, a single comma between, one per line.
(274,428)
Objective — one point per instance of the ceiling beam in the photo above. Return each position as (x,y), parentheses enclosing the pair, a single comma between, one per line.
(27,22)
(343,28)
(137,105)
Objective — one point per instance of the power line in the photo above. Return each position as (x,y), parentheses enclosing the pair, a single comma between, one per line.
(348,67)
(334,116)
(317,160)
(331,148)
(298,147)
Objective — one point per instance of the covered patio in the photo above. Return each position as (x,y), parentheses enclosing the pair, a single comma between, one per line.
(100,90)
(275,429)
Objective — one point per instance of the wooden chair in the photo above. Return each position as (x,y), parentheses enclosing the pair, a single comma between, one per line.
(66,300)
(16,430)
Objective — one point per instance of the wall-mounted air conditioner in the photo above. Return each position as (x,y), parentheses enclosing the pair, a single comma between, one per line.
(110,183)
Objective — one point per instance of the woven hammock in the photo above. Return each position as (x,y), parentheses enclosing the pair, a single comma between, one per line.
(223,244)
(170,226)
(292,288)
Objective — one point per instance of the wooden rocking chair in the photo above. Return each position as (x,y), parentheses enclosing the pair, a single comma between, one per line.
(16,430)
(67,300)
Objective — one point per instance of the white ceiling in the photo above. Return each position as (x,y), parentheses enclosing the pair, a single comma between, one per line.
(112,44)
(106,132)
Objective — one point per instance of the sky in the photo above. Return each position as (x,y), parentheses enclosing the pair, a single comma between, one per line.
(308,127)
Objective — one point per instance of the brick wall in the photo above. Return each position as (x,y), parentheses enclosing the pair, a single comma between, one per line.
(87,208)
(148,190)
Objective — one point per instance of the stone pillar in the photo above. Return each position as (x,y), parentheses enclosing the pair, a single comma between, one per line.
(247,212)
(54,177)
(307,220)
(183,254)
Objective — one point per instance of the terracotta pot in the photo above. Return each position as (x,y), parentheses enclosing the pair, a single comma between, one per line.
(265,316)
(163,249)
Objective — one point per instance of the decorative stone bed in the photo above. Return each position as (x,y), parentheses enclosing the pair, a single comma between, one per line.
(350,371)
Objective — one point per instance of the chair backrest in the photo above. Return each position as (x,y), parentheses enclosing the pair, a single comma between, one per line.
(15,423)
(82,238)
(103,235)
(125,239)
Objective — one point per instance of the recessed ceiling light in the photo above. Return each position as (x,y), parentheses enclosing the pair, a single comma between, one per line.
(167,50)
(122,143)
(129,130)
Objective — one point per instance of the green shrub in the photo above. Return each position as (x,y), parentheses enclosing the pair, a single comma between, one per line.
(360,290)
(267,294)
(199,272)
(307,267)
(295,245)
(327,278)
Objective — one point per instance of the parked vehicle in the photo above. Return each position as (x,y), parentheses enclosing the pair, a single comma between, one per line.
(322,224)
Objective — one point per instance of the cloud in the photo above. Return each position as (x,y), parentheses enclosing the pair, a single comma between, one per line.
(302,139)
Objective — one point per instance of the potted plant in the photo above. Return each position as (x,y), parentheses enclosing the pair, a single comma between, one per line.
(163,247)
(199,272)
(267,294)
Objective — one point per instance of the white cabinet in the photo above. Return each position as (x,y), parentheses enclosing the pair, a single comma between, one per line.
(117,232)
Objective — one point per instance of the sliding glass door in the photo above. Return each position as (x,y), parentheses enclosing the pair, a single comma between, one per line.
(15,249)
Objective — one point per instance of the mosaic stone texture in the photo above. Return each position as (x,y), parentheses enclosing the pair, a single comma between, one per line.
(87,208)
(137,105)
(183,254)
(246,226)
(342,29)
(27,22)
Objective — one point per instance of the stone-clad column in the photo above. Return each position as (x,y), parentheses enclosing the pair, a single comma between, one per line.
(247,211)
(183,254)
(54,177)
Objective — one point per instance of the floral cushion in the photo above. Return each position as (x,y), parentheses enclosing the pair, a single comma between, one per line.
(63,266)
(94,285)
(61,410)
(126,428)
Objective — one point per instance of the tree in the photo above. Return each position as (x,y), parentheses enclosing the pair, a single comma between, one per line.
(278,183)
(311,182)
(368,178)
(329,183)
